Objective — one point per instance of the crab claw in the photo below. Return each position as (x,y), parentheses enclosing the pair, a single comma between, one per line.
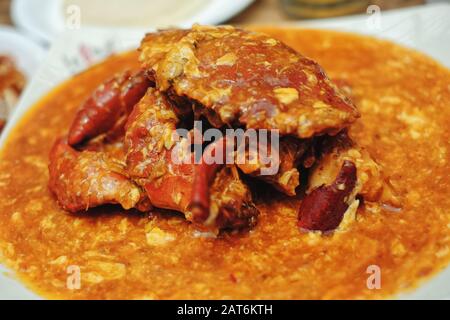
(111,101)
(357,174)
(324,208)
(373,185)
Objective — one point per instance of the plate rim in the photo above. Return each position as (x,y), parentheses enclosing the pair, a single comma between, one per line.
(22,43)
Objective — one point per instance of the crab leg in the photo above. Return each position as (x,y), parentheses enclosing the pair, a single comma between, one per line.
(180,186)
(231,204)
(112,100)
(213,159)
(149,143)
(219,196)
(86,179)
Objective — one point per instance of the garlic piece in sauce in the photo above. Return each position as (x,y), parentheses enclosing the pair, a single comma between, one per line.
(286,95)
(228,59)
(157,237)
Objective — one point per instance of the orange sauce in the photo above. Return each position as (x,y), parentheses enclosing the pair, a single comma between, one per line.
(404,99)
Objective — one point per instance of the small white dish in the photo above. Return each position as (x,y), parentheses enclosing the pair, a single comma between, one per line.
(50,21)
(26,54)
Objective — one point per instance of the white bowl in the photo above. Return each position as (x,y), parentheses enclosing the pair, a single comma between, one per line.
(49,23)
(27,54)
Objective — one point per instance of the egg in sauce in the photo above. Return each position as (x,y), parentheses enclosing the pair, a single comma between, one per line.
(403,97)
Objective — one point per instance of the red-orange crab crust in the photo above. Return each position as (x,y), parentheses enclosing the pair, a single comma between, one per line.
(225,77)
(248,78)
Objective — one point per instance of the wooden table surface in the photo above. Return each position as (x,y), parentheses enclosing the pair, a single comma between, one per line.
(261,11)
(269,11)
(4,12)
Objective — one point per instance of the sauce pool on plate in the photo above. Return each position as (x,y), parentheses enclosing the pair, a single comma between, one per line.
(403,99)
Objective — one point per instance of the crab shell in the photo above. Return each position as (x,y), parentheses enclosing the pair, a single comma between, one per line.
(242,78)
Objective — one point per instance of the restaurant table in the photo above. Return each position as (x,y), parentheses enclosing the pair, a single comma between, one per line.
(261,11)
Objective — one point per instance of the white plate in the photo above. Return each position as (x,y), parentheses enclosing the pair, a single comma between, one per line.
(425,28)
(25,53)
(46,25)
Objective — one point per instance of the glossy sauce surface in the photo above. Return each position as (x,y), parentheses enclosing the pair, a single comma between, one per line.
(403,97)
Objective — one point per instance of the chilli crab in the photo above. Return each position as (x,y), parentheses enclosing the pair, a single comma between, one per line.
(120,146)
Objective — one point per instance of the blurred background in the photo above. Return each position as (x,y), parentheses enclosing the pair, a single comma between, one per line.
(267,11)
(28,28)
